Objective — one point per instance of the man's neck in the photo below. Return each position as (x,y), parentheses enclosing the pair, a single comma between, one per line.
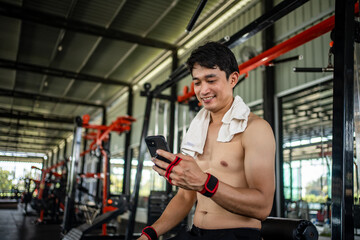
(216,117)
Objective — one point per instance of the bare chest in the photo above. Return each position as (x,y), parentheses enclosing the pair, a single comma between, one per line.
(222,158)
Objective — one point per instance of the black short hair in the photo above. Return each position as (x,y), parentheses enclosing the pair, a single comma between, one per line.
(213,54)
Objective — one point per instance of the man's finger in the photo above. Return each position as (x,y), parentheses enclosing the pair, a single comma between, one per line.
(159,170)
(160,163)
(183,156)
(166,154)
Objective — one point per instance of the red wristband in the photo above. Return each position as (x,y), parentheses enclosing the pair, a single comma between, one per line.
(150,233)
(170,167)
(211,186)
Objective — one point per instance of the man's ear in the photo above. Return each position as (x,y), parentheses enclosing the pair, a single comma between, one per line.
(234,78)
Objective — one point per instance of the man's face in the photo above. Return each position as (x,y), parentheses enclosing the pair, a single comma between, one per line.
(212,89)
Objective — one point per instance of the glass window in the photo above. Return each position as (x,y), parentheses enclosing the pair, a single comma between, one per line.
(306,118)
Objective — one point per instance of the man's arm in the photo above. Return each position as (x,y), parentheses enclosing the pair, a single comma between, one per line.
(177,209)
(256,200)
(253,201)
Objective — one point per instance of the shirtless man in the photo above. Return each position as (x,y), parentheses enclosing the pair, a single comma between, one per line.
(239,174)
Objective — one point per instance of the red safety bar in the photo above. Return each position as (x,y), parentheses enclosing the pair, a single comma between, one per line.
(104,200)
(290,44)
(92,175)
(120,125)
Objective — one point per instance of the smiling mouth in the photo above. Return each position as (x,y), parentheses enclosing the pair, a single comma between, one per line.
(205,99)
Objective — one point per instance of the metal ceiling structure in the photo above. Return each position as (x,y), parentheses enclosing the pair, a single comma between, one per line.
(62,59)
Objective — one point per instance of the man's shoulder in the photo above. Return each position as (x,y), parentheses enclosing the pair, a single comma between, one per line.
(255,120)
(256,125)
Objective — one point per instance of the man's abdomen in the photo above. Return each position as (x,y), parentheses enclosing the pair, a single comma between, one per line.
(209,215)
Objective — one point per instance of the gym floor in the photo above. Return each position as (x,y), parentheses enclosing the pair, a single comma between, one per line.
(15,226)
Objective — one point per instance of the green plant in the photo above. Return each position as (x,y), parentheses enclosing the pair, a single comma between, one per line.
(5,180)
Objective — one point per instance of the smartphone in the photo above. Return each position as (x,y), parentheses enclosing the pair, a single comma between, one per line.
(157,142)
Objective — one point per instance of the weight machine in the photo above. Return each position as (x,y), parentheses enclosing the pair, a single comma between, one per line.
(48,195)
(109,206)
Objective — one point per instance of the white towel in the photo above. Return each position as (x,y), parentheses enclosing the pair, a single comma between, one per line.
(233,122)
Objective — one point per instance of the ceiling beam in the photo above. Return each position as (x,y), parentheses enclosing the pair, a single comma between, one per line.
(48,141)
(32,127)
(23,149)
(17,142)
(4,63)
(22,115)
(27,147)
(40,148)
(21,159)
(18,135)
(47,98)
(39,17)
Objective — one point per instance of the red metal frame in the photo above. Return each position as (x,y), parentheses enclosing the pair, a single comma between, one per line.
(101,134)
(186,94)
(290,44)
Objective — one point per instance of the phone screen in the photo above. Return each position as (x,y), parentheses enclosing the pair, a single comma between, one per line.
(157,142)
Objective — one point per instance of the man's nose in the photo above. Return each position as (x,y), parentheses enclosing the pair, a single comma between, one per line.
(204,89)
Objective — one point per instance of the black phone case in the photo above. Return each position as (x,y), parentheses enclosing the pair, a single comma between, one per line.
(157,142)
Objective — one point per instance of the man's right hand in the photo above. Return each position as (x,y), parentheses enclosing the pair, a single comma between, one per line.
(186,174)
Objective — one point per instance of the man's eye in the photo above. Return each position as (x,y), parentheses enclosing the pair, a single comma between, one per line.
(196,83)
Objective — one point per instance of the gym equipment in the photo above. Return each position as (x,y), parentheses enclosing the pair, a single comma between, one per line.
(189,98)
(179,73)
(357,115)
(48,196)
(329,68)
(157,110)
(26,196)
(100,136)
(158,200)
(357,219)
(165,116)
(81,231)
(288,229)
